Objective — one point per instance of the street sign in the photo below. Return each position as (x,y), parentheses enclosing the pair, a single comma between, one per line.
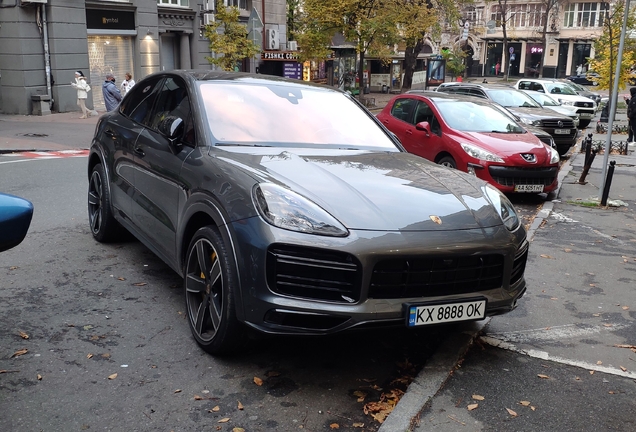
(511,50)
(254,22)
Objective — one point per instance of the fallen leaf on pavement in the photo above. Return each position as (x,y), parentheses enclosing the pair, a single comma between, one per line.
(258,381)
(224,420)
(591,372)
(237,429)
(472,407)
(240,405)
(112,377)
(524,403)
(478,397)
(360,394)
(197,397)
(611,392)
(625,346)
(543,376)
(623,368)
(625,307)
(599,362)
(140,284)
(14,268)
(546,256)
(577,378)
(23,335)
(334,426)
(20,352)
(596,315)
(121,278)
(533,408)
(106,355)
(358,425)
(89,355)
(177,391)
(39,377)
(608,325)
(554,298)
(215,409)
(511,412)
(567,250)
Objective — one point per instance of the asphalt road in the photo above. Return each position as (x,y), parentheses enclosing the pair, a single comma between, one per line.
(92,311)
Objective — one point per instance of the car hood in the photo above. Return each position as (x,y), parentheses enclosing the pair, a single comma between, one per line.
(534,113)
(510,147)
(370,190)
(567,110)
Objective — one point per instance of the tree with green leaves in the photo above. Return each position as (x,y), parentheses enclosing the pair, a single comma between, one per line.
(370,24)
(606,49)
(228,38)
(454,61)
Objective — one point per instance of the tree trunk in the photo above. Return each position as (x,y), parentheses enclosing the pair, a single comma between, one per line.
(361,76)
(410,61)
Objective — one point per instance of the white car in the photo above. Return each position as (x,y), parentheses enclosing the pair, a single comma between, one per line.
(549,102)
(586,108)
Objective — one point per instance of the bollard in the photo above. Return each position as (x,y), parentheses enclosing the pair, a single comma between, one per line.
(587,166)
(608,183)
(587,142)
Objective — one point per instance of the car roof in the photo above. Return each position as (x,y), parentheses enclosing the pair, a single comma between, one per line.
(441,96)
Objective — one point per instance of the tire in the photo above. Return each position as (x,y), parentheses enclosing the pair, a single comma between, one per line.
(209,284)
(103,224)
(563,150)
(583,124)
(448,161)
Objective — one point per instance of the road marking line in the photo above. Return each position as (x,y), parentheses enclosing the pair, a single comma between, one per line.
(39,155)
(542,355)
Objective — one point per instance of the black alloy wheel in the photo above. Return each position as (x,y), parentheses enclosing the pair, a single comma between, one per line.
(208,282)
(100,217)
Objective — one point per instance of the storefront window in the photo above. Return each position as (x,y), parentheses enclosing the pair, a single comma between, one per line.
(184,3)
(533,60)
(108,54)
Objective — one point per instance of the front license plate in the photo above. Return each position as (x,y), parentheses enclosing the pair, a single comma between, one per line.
(528,188)
(586,115)
(562,131)
(442,313)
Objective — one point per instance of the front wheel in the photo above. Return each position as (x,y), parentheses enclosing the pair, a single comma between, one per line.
(209,283)
(447,161)
(583,124)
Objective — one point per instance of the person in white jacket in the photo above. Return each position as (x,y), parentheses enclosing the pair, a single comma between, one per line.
(127,84)
(82,93)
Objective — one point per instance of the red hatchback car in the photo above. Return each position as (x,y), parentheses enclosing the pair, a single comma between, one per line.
(474,136)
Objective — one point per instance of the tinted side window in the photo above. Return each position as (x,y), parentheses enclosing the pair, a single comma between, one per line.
(404,109)
(173,101)
(138,105)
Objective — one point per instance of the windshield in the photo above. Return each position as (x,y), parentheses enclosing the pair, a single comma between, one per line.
(543,99)
(559,88)
(471,117)
(280,114)
(512,98)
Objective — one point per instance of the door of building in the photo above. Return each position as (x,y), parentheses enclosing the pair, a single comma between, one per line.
(169,51)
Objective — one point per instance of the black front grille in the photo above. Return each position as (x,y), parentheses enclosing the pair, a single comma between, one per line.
(510,176)
(589,104)
(313,273)
(519,264)
(546,140)
(430,277)
(554,123)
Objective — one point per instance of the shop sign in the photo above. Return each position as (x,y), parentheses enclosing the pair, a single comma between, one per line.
(98,19)
(279,55)
(293,70)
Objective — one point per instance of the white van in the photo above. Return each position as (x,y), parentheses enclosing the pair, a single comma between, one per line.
(586,107)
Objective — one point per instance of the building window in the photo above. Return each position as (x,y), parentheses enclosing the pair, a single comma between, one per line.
(584,15)
(184,3)
(495,15)
(474,15)
(536,15)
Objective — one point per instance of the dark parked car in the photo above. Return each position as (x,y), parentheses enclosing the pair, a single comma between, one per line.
(560,127)
(288,208)
(589,79)
(15,219)
(473,135)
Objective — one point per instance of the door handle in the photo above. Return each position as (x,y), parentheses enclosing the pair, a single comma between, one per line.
(385,122)
(139,152)
(110,134)
(409,132)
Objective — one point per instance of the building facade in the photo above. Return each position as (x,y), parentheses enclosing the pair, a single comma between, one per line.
(572,28)
(43,42)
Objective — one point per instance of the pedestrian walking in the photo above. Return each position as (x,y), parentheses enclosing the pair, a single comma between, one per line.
(127,84)
(82,88)
(497,67)
(631,115)
(111,93)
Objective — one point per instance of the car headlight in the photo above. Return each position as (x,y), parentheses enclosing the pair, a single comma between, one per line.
(566,102)
(288,210)
(554,155)
(504,207)
(480,153)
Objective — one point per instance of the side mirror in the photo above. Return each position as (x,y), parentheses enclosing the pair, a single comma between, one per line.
(15,219)
(424,126)
(172,127)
